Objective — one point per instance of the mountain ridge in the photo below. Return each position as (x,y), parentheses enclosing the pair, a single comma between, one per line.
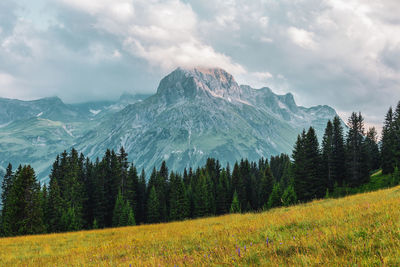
(195,114)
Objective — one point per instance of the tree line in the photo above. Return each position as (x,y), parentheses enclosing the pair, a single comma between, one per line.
(110,192)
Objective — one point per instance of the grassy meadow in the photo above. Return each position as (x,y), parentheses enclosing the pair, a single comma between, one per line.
(359,230)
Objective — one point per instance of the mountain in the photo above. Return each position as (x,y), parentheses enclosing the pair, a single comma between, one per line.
(195,114)
(34,132)
(199,113)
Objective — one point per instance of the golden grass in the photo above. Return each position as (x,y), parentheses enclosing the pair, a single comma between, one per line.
(360,230)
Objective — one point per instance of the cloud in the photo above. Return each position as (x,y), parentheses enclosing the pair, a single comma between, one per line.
(336,52)
(163,33)
(302,38)
(6,80)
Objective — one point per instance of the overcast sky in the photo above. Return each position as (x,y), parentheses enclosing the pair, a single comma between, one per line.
(343,53)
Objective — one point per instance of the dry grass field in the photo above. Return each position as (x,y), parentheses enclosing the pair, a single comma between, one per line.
(359,230)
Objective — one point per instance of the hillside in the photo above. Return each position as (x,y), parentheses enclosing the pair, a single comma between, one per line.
(34,132)
(360,230)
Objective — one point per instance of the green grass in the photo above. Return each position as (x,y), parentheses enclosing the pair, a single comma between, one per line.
(358,230)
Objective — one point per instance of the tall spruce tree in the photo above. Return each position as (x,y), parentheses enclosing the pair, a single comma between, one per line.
(140,208)
(179,204)
(222,194)
(338,152)
(266,185)
(299,167)
(307,166)
(235,206)
(7,184)
(275,199)
(24,209)
(357,169)
(327,156)
(153,212)
(239,185)
(372,149)
(289,196)
(396,135)
(388,144)
(123,212)
(316,185)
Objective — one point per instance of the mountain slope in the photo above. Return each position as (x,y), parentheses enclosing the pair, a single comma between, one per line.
(200,113)
(34,132)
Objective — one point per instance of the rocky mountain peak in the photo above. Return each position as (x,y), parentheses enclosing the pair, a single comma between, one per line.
(198,82)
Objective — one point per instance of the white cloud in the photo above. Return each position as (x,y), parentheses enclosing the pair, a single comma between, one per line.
(6,80)
(264,21)
(163,33)
(302,38)
(266,40)
(186,54)
(117,9)
(344,53)
(263,75)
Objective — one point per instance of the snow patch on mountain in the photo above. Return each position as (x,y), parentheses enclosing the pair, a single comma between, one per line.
(95,112)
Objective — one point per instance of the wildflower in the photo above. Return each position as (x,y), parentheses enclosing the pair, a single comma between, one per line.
(244,247)
(239,252)
(267,241)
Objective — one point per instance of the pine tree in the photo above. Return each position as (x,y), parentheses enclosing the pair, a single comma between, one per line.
(6,186)
(118,213)
(316,185)
(141,199)
(327,156)
(239,184)
(128,213)
(299,167)
(99,200)
(338,152)
(124,165)
(307,165)
(153,215)
(372,149)
(289,196)
(132,187)
(202,196)
(222,194)
(266,185)
(44,204)
(113,183)
(357,168)
(179,204)
(70,220)
(275,197)
(95,224)
(235,206)
(24,209)
(55,207)
(388,145)
(396,135)
(287,175)
(396,177)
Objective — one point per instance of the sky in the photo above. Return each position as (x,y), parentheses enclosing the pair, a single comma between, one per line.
(342,53)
